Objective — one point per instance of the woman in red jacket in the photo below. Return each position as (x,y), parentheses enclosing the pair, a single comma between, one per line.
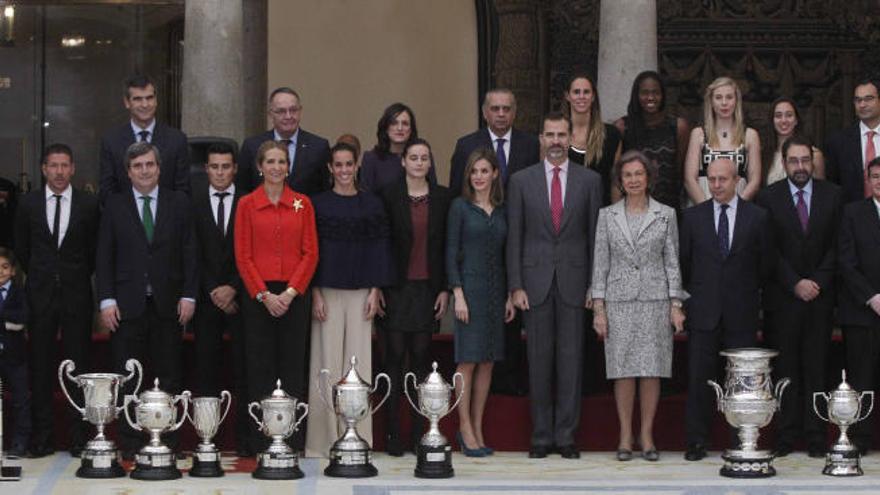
(276,250)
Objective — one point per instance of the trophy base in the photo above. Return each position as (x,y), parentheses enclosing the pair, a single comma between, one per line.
(155,467)
(843,462)
(350,464)
(277,466)
(747,464)
(10,473)
(100,465)
(434,462)
(206,465)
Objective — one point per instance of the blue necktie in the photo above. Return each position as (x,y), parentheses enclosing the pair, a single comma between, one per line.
(502,158)
(723,234)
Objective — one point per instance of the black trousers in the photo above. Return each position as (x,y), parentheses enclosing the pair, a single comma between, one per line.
(862,357)
(506,374)
(211,323)
(802,335)
(14,373)
(275,349)
(76,330)
(155,342)
(705,364)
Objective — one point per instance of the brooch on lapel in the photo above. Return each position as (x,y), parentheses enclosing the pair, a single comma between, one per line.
(297,204)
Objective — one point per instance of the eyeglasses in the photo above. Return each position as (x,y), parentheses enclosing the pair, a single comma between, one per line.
(804,160)
(864,99)
(281,112)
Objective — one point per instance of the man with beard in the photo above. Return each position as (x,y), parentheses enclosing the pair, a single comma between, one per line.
(799,298)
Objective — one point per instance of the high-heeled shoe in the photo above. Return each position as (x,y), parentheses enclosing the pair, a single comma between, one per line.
(488,450)
(478,452)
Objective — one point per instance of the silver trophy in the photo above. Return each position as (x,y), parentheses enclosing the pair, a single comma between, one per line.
(844,410)
(748,401)
(156,411)
(279,461)
(434,451)
(206,418)
(100,459)
(351,455)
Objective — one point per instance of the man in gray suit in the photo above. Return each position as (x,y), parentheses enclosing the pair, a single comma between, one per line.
(552,211)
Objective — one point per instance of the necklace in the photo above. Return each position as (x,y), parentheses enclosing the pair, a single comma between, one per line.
(724,134)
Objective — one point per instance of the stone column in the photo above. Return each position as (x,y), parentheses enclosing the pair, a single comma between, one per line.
(627,46)
(213,86)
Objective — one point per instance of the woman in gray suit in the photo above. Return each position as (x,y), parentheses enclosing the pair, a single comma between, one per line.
(637,296)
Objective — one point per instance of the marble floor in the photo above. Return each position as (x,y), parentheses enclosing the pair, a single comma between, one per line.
(506,473)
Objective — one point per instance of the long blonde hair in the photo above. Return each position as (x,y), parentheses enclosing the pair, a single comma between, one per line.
(596,135)
(709,127)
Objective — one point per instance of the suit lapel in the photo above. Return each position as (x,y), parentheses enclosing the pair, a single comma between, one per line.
(740,225)
(572,190)
(708,219)
(872,220)
(618,213)
(163,216)
(41,211)
(139,224)
(652,214)
(74,215)
(783,195)
(539,183)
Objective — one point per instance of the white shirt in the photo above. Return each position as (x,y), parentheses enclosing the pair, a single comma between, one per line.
(291,148)
(66,197)
(877,205)
(227,204)
(548,174)
(154,204)
(506,138)
(136,129)
(808,193)
(731,217)
(863,133)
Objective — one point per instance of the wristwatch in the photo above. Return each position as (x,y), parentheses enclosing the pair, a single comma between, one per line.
(290,291)
(261,296)
(677,304)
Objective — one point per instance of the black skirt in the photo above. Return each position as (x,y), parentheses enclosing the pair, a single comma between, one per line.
(410,308)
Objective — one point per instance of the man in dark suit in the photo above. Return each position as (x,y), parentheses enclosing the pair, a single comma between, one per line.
(859,298)
(147,274)
(140,101)
(218,306)
(798,300)
(56,229)
(516,150)
(726,256)
(552,211)
(309,153)
(849,150)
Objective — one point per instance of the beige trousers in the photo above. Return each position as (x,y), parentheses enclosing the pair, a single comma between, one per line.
(345,333)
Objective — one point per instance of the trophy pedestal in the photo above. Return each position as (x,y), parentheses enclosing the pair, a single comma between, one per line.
(277,466)
(434,462)
(99,464)
(350,464)
(748,464)
(843,462)
(206,464)
(10,473)
(155,466)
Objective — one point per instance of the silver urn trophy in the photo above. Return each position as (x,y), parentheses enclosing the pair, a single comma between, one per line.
(206,417)
(100,458)
(748,401)
(844,410)
(434,451)
(156,412)
(279,461)
(351,455)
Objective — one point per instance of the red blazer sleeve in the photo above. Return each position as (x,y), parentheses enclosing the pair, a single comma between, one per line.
(244,249)
(308,262)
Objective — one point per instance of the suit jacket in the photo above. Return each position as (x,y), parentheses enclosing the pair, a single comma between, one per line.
(524,151)
(812,255)
(70,267)
(174,159)
(216,252)
(13,346)
(310,175)
(643,267)
(535,252)
(843,162)
(725,290)
(127,262)
(397,205)
(858,263)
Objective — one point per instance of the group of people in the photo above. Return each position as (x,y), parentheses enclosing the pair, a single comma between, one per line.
(299,249)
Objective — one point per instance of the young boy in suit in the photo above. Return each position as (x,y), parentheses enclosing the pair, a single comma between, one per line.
(13,353)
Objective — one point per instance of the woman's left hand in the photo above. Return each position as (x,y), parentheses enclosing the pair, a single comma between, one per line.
(677,317)
(371,306)
(509,311)
(440,305)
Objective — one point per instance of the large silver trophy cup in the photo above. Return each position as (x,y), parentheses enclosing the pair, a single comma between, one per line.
(100,459)
(350,455)
(434,452)
(844,410)
(748,401)
(206,418)
(156,412)
(279,461)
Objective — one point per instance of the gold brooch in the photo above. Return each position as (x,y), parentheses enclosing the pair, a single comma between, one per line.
(297,204)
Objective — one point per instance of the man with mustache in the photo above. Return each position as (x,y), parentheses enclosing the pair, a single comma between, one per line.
(799,298)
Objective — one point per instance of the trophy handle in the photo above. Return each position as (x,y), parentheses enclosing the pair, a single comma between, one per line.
(871,407)
(305,407)
(250,410)
(323,386)
(816,395)
(66,367)
(228,396)
(780,387)
(460,394)
(406,390)
(376,387)
(129,399)
(183,399)
(133,365)
(719,392)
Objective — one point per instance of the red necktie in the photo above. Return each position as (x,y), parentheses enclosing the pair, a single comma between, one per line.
(870,154)
(556,199)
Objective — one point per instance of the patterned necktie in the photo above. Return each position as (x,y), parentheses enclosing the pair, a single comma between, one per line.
(870,154)
(556,199)
(723,232)
(502,158)
(144,135)
(148,218)
(56,224)
(803,214)
(221,212)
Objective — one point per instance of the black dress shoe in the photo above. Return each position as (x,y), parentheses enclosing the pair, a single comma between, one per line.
(538,451)
(393,445)
(41,450)
(695,452)
(569,452)
(76,449)
(782,450)
(816,451)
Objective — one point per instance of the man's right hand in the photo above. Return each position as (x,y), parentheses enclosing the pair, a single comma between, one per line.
(520,299)
(806,289)
(110,317)
(874,302)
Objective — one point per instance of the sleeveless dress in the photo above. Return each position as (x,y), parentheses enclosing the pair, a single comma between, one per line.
(739,157)
(660,144)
